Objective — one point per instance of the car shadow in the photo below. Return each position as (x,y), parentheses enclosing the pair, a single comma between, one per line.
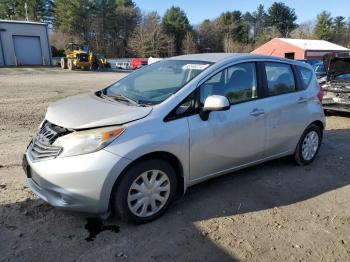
(274,184)
(32,230)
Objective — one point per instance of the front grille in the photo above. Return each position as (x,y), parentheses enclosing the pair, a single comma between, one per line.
(40,151)
(83,58)
(41,146)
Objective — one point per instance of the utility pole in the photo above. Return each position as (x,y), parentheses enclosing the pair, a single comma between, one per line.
(26,8)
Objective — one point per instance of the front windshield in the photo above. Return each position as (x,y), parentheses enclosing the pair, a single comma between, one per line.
(155,83)
(319,68)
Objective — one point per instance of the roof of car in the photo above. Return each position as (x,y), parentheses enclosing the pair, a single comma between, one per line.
(207,57)
(217,57)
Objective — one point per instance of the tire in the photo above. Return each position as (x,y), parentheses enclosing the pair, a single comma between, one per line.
(129,203)
(94,66)
(70,64)
(63,63)
(312,136)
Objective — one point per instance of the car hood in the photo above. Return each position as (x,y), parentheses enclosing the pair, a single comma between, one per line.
(337,63)
(89,111)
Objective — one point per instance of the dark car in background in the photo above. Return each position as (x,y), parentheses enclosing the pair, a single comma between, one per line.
(317,65)
(320,70)
(311,62)
(336,83)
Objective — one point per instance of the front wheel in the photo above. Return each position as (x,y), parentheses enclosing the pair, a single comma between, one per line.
(63,63)
(145,191)
(308,145)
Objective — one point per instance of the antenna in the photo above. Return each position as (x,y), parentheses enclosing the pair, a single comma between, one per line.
(26,8)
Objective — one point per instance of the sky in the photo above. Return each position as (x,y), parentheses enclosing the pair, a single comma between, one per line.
(198,10)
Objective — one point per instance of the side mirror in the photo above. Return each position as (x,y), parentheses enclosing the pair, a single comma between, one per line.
(214,103)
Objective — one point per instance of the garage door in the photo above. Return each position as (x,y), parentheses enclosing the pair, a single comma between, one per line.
(27,50)
(2,62)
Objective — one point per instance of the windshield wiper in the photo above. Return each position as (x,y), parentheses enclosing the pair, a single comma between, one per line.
(120,97)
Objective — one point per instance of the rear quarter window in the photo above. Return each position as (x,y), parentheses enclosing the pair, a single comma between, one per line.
(306,76)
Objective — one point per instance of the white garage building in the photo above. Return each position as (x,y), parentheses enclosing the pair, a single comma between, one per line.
(24,43)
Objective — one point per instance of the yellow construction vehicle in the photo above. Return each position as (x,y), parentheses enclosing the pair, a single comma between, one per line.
(77,57)
(100,62)
(81,57)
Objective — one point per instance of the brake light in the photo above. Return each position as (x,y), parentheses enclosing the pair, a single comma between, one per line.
(320,94)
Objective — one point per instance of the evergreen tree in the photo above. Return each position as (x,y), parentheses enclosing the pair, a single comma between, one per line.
(48,16)
(282,17)
(8,9)
(176,24)
(339,30)
(15,10)
(75,18)
(231,25)
(323,28)
(255,22)
(127,18)
(260,18)
(104,16)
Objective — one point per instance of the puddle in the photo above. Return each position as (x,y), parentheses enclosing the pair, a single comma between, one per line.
(95,226)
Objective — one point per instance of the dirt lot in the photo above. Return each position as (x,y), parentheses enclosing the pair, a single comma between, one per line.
(272,212)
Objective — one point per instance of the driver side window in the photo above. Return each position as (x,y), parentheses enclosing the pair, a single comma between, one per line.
(238,83)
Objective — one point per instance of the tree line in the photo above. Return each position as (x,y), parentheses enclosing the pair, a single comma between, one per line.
(119,28)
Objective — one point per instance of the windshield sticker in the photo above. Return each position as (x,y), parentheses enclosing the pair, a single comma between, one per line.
(195,66)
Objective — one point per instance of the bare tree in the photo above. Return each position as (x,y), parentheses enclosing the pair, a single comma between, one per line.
(232,46)
(188,44)
(150,39)
(209,37)
(304,31)
(171,48)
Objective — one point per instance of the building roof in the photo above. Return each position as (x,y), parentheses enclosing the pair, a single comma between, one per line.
(21,22)
(313,44)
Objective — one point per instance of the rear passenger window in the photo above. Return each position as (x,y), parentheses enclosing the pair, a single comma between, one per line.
(306,76)
(280,78)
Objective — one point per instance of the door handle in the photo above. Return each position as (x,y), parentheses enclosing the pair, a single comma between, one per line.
(257,112)
(302,100)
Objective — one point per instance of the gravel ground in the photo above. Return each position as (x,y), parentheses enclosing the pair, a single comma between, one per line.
(276,211)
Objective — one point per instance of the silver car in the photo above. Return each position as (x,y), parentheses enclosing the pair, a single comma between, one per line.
(135,145)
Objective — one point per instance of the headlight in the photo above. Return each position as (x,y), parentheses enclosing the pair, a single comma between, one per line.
(84,142)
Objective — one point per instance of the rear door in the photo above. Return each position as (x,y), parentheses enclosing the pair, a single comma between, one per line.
(27,50)
(287,108)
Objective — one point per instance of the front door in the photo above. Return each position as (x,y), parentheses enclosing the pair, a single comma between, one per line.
(231,138)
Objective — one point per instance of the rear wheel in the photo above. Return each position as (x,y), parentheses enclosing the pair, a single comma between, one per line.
(308,145)
(70,64)
(145,191)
